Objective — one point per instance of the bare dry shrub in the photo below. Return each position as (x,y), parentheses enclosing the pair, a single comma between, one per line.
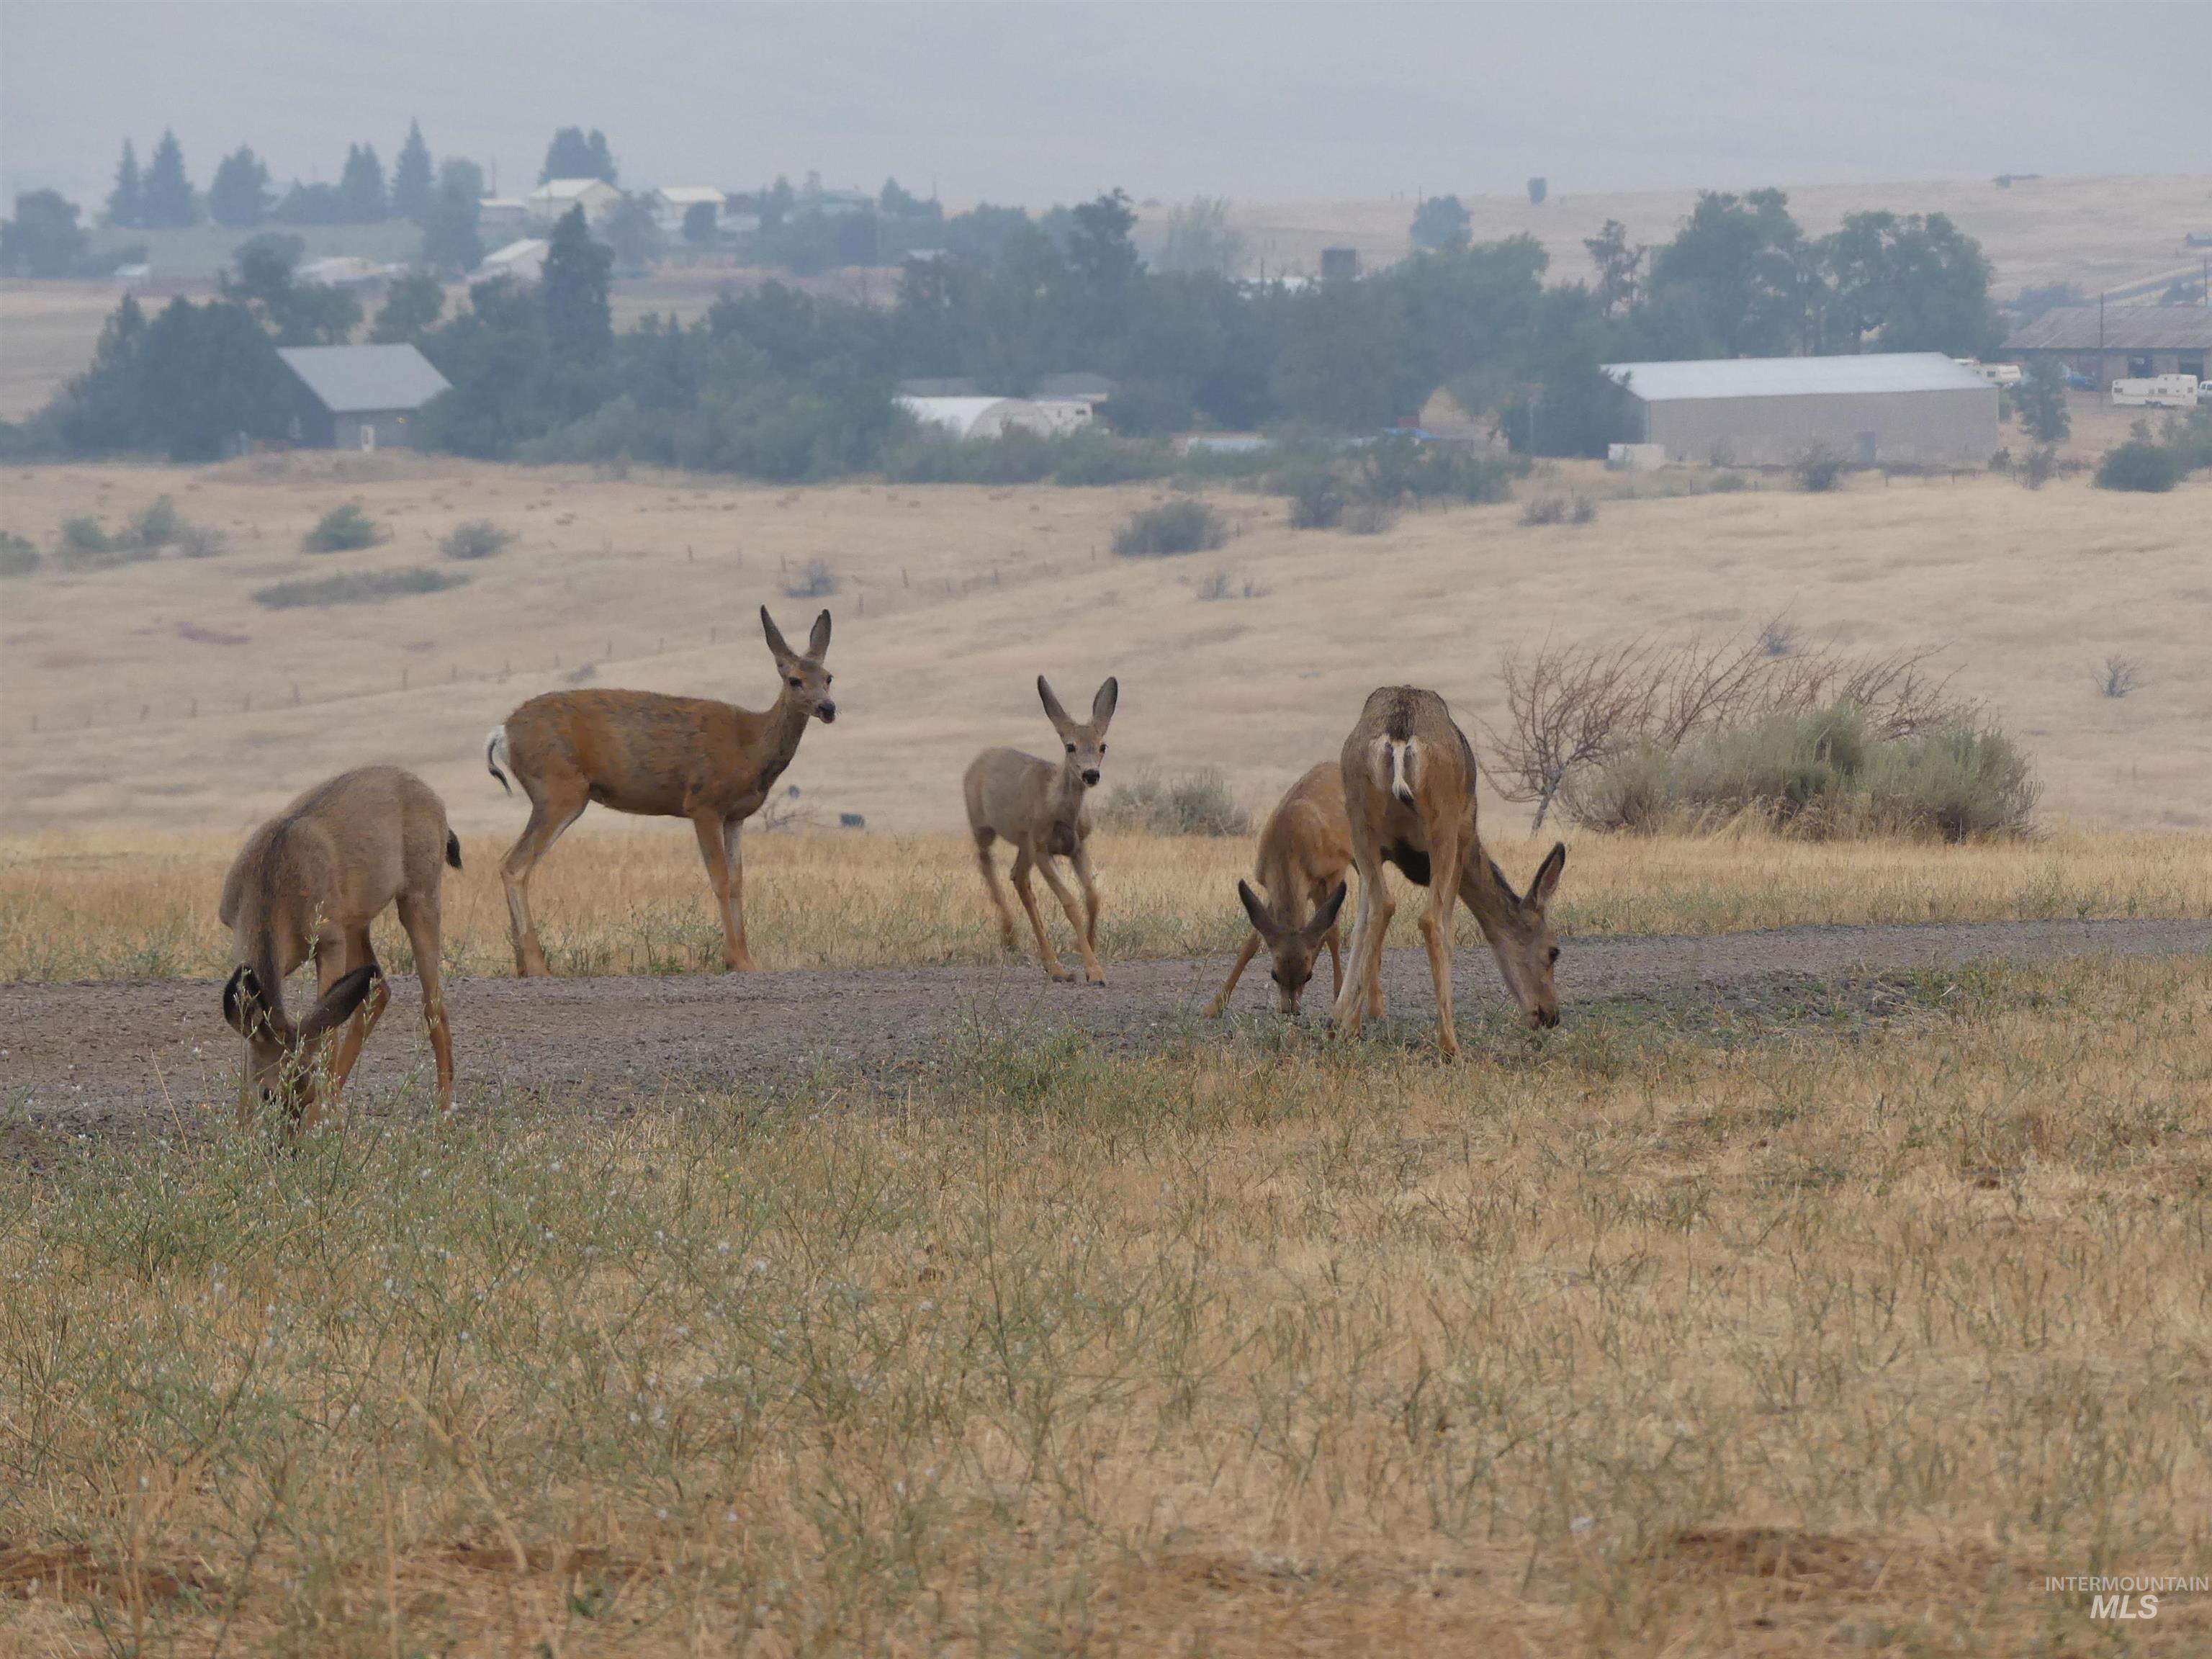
(1571,707)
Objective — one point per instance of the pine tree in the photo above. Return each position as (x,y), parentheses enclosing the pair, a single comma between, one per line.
(573,156)
(126,204)
(361,186)
(410,176)
(578,324)
(239,195)
(166,198)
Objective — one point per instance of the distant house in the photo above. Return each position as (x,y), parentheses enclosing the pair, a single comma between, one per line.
(345,270)
(360,397)
(552,199)
(1081,387)
(1909,407)
(524,261)
(503,213)
(672,203)
(2112,343)
(963,419)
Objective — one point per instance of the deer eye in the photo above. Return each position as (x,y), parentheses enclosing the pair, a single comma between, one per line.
(829,679)
(1102,748)
(1555,953)
(794,681)
(1070,749)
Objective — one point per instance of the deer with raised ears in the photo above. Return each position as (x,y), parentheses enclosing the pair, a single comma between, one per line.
(1409,784)
(658,757)
(310,881)
(1304,853)
(1042,811)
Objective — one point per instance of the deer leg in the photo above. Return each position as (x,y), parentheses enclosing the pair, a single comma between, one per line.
(708,826)
(1318,897)
(419,915)
(1375,909)
(1436,932)
(1091,971)
(548,820)
(1243,961)
(983,840)
(1021,866)
(330,966)
(733,856)
(1081,862)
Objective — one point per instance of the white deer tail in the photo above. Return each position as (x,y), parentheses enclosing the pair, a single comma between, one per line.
(494,752)
(1402,768)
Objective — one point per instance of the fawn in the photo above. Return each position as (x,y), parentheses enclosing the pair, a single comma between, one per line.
(314,878)
(1409,781)
(1041,809)
(1305,850)
(658,757)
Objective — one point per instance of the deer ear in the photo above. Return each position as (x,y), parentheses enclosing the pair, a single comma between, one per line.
(241,1001)
(1547,877)
(1325,918)
(819,641)
(774,635)
(1262,923)
(340,1002)
(1102,706)
(1053,711)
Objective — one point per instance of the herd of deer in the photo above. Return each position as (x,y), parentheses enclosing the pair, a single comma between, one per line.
(313,879)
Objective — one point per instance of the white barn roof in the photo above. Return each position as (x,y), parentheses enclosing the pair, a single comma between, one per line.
(360,379)
(1796,377)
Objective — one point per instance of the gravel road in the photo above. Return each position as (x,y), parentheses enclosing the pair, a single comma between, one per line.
(122,1055)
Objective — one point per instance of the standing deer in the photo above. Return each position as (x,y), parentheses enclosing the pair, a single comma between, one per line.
(1042,809)
(1409,783)
(658,757)
(1305,850)
(313,879)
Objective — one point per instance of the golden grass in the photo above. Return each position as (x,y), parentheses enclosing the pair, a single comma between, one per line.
(1755,1335)
(158,696)
(125,905)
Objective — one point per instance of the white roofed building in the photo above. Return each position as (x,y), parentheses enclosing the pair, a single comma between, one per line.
(1917,408)
(524,261)
(552,199)
(961,419)
(672,203)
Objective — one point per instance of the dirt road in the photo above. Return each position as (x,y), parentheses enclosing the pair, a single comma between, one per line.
(122,1055)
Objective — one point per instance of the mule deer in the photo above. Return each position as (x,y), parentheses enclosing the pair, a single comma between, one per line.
(658,757)
(311,880)
(1042,809)
(1409,782)
(1305,850)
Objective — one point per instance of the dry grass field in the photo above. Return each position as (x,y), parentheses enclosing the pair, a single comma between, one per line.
(1834,1330)
(140,904)
(158,695)
(2096,233)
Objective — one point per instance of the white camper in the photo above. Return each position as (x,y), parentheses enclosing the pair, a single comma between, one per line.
(2156,391)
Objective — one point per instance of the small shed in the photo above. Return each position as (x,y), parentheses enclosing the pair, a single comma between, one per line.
(552,199)
(1908,408)
(360,397)
(523,260)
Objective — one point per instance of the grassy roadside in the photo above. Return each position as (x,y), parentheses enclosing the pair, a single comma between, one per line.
(143,905)
(1750,1334)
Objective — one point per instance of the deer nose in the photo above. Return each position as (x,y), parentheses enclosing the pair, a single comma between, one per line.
(826,712)
(1090,774)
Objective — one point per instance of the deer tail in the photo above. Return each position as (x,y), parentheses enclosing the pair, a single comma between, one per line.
(453,849)
(494,752)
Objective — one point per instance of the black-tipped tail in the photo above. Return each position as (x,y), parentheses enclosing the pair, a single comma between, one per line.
(453,849)
(494,744)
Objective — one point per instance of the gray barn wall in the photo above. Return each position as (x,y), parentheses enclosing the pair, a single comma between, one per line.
(1909,427)
(394,429)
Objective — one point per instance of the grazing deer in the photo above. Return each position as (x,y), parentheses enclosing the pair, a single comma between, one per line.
(313,879)
(1409,783)
(1042,809)
(1305,850)
(658,757)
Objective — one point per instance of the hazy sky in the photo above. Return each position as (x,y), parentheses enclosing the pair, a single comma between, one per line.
(1035,102)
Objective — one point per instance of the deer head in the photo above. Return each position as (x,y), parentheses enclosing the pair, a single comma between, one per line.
(805,682)
(282,1058)
(1293,949)
(1085,743)
(1520,936)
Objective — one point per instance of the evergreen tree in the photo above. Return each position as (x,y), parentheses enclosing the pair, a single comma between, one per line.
(579,327)
(166,198)
(43,239)
(410,176)
(450,241)
(239,195)
(127,202)
(573,156)
(361,186)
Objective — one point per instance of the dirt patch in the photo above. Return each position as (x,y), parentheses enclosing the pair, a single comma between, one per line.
(131,1056)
